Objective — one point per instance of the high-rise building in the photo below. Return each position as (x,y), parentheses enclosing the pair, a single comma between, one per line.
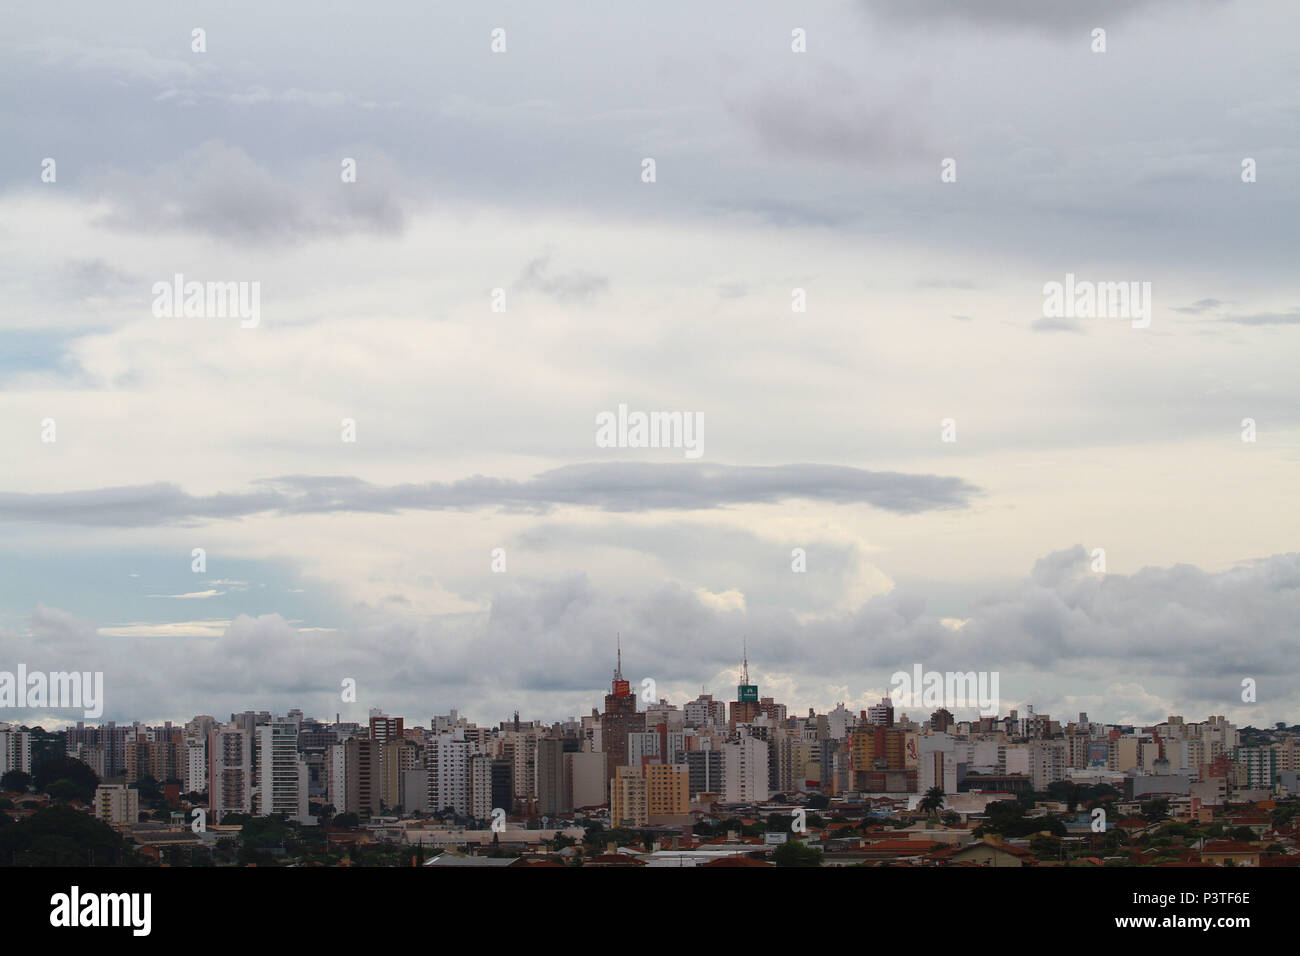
(397,756)
(704,768)
(668,792)
(363,785)
(881,714)
(552,798)
(744,770)
(15,749)
(117,804)
(281,771)
(704,711)
(503,784)
(627,798)
(194,765)
(642,746)
(585,777)
(451,783)
(746,707)
(230,771)
(619,719)
(385,728)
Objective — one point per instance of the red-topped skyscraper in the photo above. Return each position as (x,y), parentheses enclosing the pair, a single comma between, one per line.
(619,719)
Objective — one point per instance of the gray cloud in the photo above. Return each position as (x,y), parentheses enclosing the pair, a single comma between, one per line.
(1265,318)
(1176,632)
(1055,15)
(219,190)
(613,486)
(1201,305)
(830,115)
(1056,325)
(566,287)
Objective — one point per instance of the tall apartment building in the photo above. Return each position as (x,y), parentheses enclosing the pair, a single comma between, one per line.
(668,793)
(627,798)
(552,795)
(840,721)
(15,749)
(1048,762)
(641,746)
(458,776)
(1259,766)
(362,777)
(92,755)
(230,771)
(881,714)
(480,786)
(519,746)
(704,770)
(744,771)
(585,776)
(281,771)
(194,765)
(117,805)
(157,755)
(397,756)
(336,777)
(109,736)
(385,728)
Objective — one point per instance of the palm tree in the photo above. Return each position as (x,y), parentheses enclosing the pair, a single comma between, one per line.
(932,802)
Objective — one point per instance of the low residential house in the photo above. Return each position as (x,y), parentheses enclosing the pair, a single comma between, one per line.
(1225,852)
(985,853)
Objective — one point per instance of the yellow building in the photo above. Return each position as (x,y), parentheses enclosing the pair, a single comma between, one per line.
(627,798)
(668,789)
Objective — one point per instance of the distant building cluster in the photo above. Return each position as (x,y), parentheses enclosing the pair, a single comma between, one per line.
(657,764)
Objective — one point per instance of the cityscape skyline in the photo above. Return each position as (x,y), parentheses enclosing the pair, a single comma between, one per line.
(738,435)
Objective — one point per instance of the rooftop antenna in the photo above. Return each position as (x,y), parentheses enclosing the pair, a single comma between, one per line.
(745,669)
(618,671)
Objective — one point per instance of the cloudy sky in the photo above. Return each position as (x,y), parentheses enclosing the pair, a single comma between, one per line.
(522,171)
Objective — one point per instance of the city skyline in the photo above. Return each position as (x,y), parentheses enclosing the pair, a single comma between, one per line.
(429,350)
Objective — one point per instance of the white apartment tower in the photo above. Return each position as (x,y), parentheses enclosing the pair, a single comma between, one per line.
(281,771)
(744,770)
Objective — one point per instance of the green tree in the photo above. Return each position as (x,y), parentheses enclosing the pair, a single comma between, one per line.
(60,767)
(58,835)
(1045,847)
(932,802)
(797,853)
(15,780)
(1153,811)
